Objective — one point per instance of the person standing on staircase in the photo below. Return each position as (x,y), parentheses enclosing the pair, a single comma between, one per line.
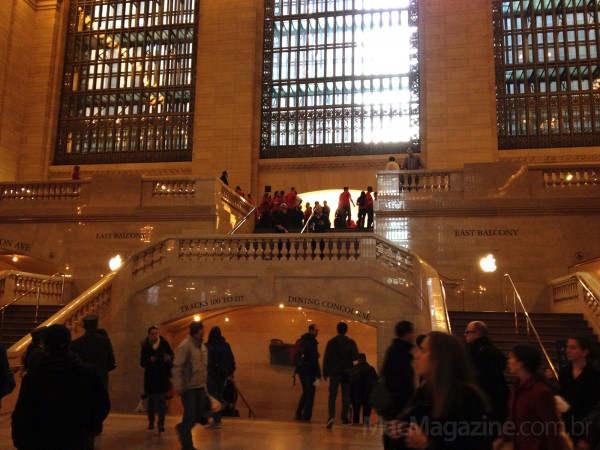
(489,365)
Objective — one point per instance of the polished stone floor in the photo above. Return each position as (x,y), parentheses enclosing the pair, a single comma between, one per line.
(128,432)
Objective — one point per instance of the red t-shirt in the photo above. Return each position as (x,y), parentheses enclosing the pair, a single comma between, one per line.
(345,198)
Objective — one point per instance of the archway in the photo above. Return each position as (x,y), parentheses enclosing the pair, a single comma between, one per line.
(267,386)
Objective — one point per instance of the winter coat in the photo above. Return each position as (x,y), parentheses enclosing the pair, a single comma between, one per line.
(340,354)
(157,374)
(61,401)
(190,368)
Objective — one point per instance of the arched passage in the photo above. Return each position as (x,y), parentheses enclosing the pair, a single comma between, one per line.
(267,386)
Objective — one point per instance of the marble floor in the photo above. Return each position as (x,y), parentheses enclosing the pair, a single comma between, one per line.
(128,432)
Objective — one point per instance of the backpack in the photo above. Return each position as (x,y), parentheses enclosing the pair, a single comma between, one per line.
(220,369)
(297,353)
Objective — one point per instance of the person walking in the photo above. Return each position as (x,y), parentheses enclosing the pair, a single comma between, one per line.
(62,400)
(340,354)
(221,365)
(95,348)
(308,370)
(448,411)
(533,422)
(398,374)
(157,359)
(363,377)
(189,375)
(489,365)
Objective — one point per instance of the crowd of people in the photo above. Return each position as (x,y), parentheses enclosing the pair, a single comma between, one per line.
(460,401)
(285,212)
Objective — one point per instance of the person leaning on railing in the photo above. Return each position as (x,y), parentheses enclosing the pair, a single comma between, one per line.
(411,162)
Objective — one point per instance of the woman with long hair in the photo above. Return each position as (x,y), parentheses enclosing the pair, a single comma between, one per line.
(448,410)
(533,422)
(579,385)
(221,365)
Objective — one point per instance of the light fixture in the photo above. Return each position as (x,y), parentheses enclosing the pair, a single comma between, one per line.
(197,318)
(115,262)
(488,264)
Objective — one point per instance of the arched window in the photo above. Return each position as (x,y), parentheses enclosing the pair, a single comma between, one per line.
(128,86)
(340,77)
(547,73)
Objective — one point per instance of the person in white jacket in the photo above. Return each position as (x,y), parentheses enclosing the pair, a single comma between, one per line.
(189,376)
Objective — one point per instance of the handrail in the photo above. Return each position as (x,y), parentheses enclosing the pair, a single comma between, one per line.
(37,306)
(241,222)
(454,282)
(307,222)
(516,296)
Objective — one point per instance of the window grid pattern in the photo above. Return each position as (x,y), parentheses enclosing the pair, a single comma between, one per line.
(128,85)
(340,77)
(547,73)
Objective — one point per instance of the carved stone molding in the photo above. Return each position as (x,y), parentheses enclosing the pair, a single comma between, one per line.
(563,158)
(166,172)
(44,5)
(315,165)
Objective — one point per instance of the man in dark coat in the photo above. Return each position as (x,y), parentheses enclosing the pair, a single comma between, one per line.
(94,348)
(308,371)
(156,358)
(340,354)
(61,401)
(489,365)
(398,375)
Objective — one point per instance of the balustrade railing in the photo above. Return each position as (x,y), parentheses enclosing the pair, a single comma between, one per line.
(40,191)
(316,247)
(572,177)
(95,300)
(174,188)
(578,292)
(394,182)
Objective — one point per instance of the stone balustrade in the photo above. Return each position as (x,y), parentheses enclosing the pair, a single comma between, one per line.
(31,287)
(580,293)
(66,190)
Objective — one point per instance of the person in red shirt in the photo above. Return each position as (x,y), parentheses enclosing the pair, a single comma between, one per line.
(307,213)
(345,200)
(290,198)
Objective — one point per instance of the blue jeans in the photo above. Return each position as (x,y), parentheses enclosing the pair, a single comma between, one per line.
(195,408)
(334,382)
(157,404)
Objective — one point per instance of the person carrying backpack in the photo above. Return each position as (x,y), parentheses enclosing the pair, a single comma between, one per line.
(306,365)
(340,354)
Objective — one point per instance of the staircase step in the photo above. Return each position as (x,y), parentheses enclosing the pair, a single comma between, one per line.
(19,320)
(551,327)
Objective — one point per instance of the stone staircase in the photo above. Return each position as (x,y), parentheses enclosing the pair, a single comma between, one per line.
(19,320)
(553,328)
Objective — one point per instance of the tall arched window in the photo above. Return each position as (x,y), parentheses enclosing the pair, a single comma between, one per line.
(128,86)
(340,77)
(547,73)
